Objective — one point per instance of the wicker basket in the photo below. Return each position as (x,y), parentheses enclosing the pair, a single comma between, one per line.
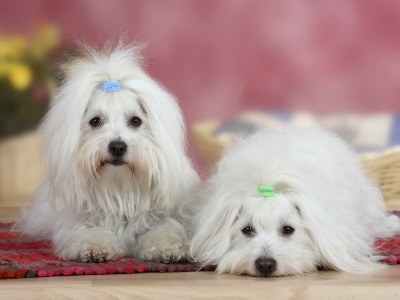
(21,168)
(383,168)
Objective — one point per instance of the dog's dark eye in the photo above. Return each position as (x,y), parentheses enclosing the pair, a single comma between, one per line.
(248,230)
(95,122)
(287,230)
(136,122)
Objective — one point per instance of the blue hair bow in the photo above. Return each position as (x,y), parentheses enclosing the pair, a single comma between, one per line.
(111,86)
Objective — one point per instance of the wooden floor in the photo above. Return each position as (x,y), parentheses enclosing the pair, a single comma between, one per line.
(383,284)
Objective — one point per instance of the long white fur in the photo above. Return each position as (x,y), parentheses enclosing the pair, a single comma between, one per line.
(92,210)
(321,190)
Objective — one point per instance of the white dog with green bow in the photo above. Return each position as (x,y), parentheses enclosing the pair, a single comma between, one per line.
(288,203)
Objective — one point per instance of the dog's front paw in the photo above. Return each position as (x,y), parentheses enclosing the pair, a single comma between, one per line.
(169,251)
(99,254)
(92,245)
(165,243)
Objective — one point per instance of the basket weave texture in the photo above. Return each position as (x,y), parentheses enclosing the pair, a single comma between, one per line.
(21,168)
(384,168)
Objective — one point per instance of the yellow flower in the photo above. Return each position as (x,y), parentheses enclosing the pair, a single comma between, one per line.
(20,76)
(12,47)
(5,67)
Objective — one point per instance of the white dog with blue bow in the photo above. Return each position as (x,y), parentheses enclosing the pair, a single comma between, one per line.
(288,203)
(117,169)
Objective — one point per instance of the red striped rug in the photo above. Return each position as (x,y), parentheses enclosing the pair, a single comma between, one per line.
(22,257)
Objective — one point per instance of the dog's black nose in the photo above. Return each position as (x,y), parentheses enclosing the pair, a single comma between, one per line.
(117,148)
(265,266)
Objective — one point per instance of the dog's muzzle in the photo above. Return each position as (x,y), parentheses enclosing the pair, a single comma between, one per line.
(117,150)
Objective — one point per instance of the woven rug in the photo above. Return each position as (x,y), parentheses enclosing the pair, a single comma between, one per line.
(23,257)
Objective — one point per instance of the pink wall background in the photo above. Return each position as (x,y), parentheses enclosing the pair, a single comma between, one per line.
(224,56)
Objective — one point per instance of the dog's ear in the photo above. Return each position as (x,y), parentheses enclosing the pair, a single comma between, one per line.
(60,129)
(213,223)
(337,242)
(175,175)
